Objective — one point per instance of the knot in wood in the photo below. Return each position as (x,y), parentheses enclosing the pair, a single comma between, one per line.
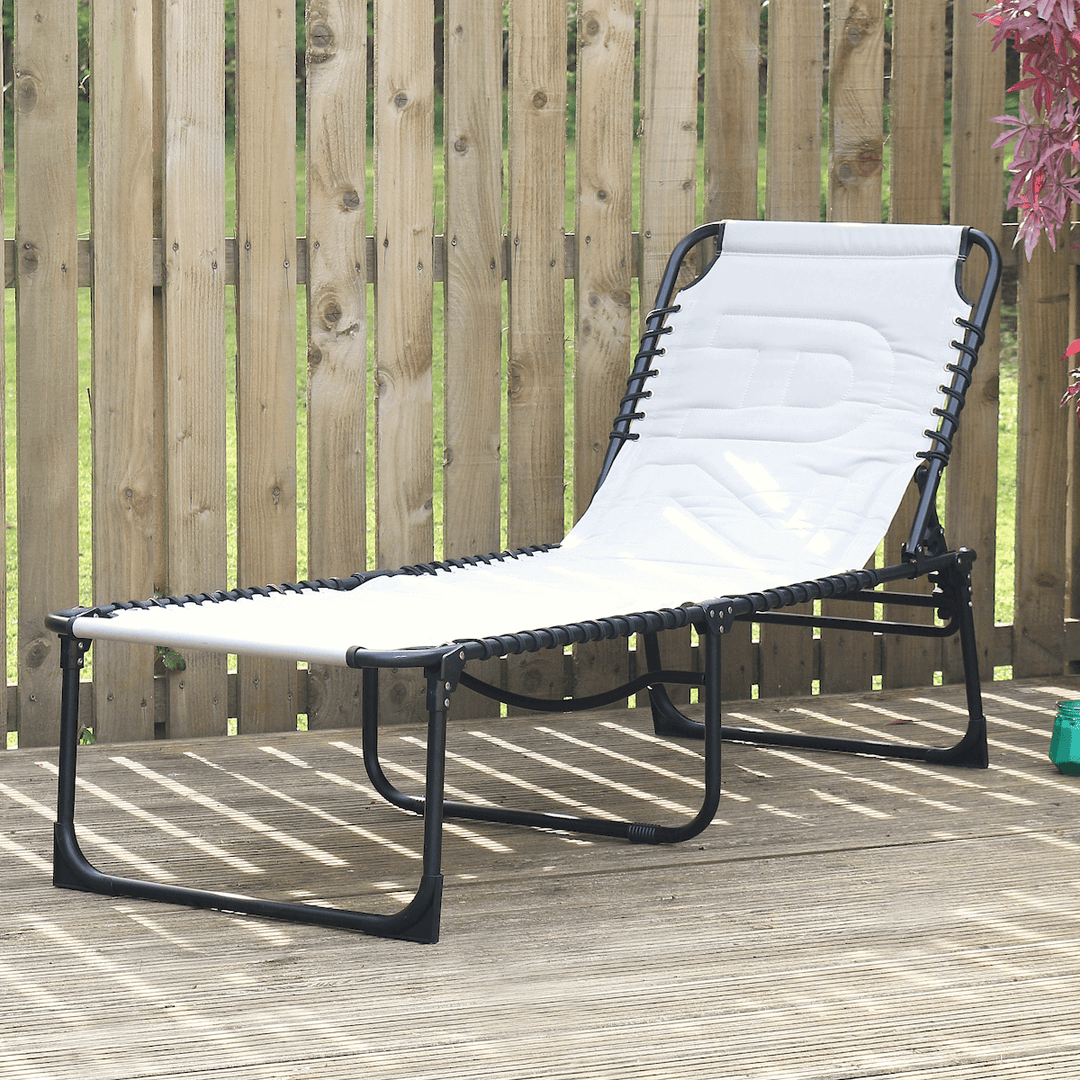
(539,99)
(350,199)
(401,99)
(461,145)
(320,37)
(857,24)
(37,654)
(27,94)
(331,314)
(517,380)
(29,259)
(859,162)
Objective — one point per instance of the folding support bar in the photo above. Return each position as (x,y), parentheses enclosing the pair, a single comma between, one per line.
(839,622)
(635,832)
(582,704)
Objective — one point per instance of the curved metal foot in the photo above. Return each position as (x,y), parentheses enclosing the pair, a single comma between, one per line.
(418,921)
(668,720)
(971,752)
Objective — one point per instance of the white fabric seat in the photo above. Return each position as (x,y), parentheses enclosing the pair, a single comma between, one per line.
(778,439)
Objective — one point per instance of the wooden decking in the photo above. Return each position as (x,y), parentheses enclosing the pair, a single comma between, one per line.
(843,917)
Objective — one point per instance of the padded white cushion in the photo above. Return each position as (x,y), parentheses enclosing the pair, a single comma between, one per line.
(780,436)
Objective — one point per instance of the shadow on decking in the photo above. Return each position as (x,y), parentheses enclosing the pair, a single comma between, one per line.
(842,916)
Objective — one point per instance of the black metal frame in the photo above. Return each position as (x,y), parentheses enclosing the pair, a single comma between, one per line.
(925,553)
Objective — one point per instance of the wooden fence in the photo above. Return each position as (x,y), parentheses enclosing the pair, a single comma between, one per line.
(491,285)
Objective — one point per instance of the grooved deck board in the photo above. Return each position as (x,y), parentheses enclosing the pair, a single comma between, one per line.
(843,917)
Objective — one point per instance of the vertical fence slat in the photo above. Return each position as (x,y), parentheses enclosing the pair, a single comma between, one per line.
(856,73)
(978,77)
(793,131)
(669,135)
(732,105)
(668,167)
(404,134)
(473,293)
(194,294)
(157,142)
(337,321)
(536,296)
(917,124)
(472,124)
(792,192)
(916,111)
(1041,465)
(732,57)
(266,333)
(404,293)
(536,270)
(602,298)
(122,420)
(47,349)
(605,149)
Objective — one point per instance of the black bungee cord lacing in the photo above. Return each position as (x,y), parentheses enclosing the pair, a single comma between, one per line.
(963,374)
(636,391)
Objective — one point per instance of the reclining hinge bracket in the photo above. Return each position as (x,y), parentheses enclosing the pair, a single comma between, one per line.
(720,614)
(443,681)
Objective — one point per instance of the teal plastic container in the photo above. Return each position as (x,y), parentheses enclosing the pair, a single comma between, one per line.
(1065,742)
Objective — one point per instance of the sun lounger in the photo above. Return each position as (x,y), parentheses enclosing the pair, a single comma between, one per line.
(776,413)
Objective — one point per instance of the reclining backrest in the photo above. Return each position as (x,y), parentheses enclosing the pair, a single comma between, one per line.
(795,389)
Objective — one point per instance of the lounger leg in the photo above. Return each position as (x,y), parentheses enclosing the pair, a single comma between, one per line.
(417,921)
(625,830)
(69,866)
(971,751)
